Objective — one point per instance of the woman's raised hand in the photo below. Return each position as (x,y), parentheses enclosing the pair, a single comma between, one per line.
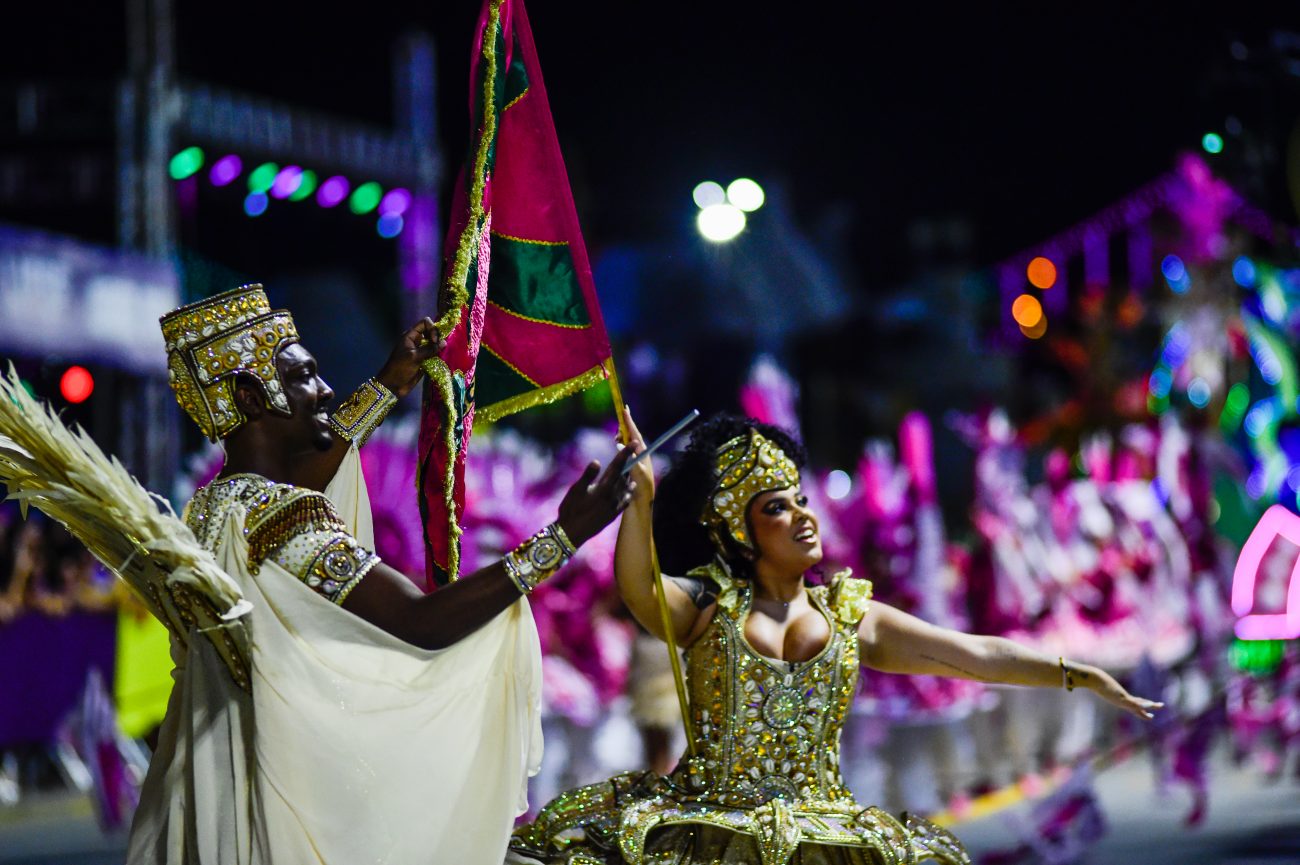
(642,474)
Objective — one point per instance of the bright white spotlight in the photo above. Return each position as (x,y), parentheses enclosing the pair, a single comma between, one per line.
(838,484)
(745,194)
(708,194)
(720,222)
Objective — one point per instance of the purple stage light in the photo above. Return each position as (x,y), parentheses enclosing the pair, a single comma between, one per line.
(286,182)
(332,192)
(396,202)
(225,170)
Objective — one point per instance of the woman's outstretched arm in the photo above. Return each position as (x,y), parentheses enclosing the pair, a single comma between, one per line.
(895,642)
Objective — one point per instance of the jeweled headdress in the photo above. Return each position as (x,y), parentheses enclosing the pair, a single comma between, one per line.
(213,340)
(747,465)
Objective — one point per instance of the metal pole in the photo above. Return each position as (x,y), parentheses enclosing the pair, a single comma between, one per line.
(683,701)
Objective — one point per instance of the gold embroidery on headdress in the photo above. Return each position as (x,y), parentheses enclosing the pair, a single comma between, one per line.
(747,465)
(211,341)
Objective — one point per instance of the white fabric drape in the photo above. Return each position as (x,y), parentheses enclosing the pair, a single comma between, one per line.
(353,747)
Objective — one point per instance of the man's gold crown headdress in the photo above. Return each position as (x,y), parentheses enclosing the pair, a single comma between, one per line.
(212,341)
(746,465)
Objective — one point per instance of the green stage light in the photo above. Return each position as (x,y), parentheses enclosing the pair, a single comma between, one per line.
(263,177)
(365,198)
(1212,142)
(306,185)
(1234,407)
(1257,657)
(185,163)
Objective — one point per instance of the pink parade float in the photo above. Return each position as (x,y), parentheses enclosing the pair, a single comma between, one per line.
(1277,523)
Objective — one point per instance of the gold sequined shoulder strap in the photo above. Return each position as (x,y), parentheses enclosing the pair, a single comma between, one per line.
(739,609)
(849,597)
(289,512)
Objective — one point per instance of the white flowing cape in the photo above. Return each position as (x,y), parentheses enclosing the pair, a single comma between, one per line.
(353,747)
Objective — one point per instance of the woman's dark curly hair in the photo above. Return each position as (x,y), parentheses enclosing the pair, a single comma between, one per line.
(683,543)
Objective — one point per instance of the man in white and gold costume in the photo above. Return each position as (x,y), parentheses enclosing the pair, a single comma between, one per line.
(346,717)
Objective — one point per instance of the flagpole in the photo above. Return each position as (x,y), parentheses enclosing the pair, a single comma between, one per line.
(665,618)
(568,218)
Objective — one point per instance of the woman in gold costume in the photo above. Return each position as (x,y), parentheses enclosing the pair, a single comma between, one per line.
(771,666)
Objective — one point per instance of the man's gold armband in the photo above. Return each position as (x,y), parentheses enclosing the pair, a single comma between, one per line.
(538,557)
(361,414)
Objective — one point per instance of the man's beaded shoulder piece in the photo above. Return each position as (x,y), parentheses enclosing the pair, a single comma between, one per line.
(298,529)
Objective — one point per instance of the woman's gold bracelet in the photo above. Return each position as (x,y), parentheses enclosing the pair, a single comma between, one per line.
(1067,675)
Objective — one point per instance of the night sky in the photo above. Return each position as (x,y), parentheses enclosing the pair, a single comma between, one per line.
(1024,120)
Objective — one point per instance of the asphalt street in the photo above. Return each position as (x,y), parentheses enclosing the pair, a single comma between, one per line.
(1250,821)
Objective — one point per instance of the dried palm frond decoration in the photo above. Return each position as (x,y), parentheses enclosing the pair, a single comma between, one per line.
(133,532)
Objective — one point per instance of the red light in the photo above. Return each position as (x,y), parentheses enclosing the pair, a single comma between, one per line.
(77,384)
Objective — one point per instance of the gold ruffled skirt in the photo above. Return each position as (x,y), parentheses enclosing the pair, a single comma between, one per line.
(641,819)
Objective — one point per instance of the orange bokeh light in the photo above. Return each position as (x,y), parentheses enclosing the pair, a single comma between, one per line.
(1131,311)
(1037,331)
(1027,311)
(1041,273)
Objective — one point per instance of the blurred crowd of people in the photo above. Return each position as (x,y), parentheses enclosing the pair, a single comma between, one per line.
(43,569)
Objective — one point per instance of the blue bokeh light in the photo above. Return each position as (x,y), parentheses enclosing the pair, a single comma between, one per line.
(1243,271)
(1173,268)
(1198,392)
(1161,382)
(255,203)
(390,225)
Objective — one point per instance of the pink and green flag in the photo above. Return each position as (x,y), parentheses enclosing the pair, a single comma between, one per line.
(518,305)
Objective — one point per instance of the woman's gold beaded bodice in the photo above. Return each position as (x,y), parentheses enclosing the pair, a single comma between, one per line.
(764,728)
